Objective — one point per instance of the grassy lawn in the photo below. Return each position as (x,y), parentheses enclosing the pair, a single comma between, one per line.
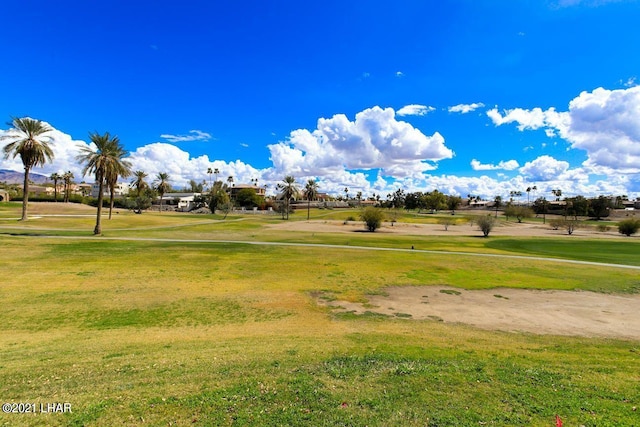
(201,333)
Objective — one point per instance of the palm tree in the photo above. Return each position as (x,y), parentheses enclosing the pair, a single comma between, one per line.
(310,193)
(32,145)
(121,168)
(209,172)
(139,182)
(55,177)
(288,189)
(162,185)
(216,172)
(67,177)
(100,161)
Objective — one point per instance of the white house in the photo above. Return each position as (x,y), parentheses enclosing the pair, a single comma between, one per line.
(121,190)
(182,201)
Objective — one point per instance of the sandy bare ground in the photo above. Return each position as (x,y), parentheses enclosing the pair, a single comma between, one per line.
(504,229)
(571,313)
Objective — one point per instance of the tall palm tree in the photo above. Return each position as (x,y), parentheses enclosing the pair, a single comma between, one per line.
(32,145)
(209,172)
(216,172)
(121,168)
(100,161)
(67,177)
(55,177)
(162,185)
(310,193)
(138,182)
(289,189)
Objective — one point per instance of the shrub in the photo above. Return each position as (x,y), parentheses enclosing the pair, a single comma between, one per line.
(520,212)
(486,223)
(603,228)
(372,218)
(568,224)
(446,222)
(629,226)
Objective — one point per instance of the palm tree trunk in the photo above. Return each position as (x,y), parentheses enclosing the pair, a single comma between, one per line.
(55,191)
(25,196)
(111,203)
(98,229)
(308,208)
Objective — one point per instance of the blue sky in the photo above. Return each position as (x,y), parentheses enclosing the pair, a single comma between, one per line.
(463,96)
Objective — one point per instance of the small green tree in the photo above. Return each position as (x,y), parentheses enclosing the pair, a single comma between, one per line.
(218,196)
(519,212)
(485,223)
(452,203)
(372,218)
(629,226)
(247,198)
(446,222)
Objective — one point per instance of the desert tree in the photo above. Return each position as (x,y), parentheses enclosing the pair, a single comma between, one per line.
(100,161)
(288,189)
(629,226)
(310,193)
(30,142)
(55,177)
(497,203)
(67,177)
(485,223)
(209,172)
(161,185)
(372,218)
(120,168)
(452,203)
(139,182)
(218,196)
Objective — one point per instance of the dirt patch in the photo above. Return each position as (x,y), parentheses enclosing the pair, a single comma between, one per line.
(502,229)
(575,313)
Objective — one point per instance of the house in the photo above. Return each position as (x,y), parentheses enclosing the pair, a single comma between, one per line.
(235,189)
(180,201)
(121,190)
(41,190)
(4,196)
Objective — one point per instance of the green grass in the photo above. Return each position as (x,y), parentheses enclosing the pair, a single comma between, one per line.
(597,250)
(200,333)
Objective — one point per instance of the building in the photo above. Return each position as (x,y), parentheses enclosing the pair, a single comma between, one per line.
(235,189)
(121,190)
(180,201)
(4,196)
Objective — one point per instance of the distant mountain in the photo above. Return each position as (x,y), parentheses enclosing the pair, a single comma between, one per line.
(13,177)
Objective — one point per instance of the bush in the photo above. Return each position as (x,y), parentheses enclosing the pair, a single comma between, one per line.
(446,222)
(603,228)
(520,212)
(568,224)
(372,218)
(629,226)
(486,223)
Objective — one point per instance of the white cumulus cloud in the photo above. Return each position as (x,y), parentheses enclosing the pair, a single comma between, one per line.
(465,108)
(415,110)
(603,122)
(504,165)
(375,139)
(544,168)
